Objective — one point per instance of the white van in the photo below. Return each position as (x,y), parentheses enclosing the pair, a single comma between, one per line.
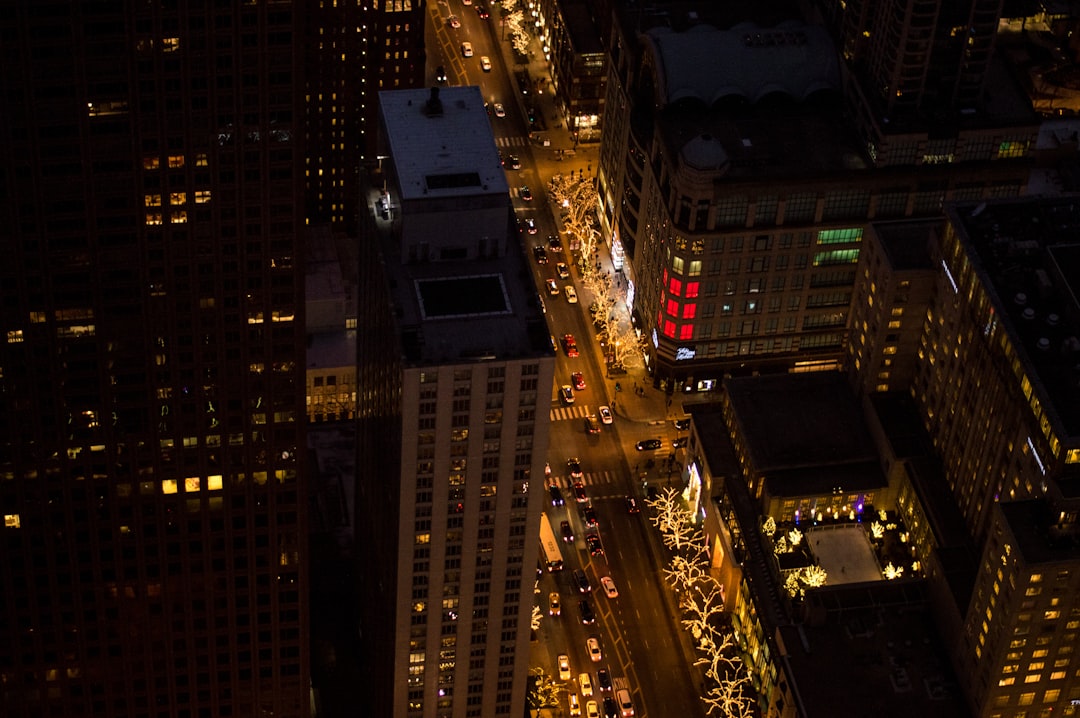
(626,706)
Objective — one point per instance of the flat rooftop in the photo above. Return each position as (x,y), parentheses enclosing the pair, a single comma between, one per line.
(441,143)
(791,421)
(876,655)
(753,102)
(1032,523)
(907,242)
(1027,255)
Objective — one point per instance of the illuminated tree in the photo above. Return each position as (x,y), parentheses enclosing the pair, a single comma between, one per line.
(795,536)
(769,527)
(577,200)
(729,691)
(544,690)
(674,520)
(537,617)
(814,576)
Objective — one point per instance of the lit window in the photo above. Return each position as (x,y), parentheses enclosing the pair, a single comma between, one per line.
(176,161)
(202,196)
(673,307)
(170,44)
(14,336)
(153,218)
(168,486)
(200,159)
(178,217)
(12,521)
(152,200)
(151,163)
(213,483)
(692,289)
(894,324)
(192,484)
(669,329)
(675,286)
(689,310)
(178,198)
(686,331)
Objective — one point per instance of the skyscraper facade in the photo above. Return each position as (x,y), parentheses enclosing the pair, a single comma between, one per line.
(154,540)
(455,377)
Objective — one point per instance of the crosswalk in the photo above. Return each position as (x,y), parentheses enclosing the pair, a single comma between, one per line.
(517,141)
(577,411)
(588,478)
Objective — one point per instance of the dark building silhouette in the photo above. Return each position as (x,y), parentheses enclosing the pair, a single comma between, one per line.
(153,552)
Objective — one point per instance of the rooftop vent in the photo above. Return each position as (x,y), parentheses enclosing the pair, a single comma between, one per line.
(1043,344)
(1029,314)
(1052,319)
(1020,299)
(433,107)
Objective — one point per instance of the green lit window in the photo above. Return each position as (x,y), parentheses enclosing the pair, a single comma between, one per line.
(836,256)
(1012,149)
(840,236)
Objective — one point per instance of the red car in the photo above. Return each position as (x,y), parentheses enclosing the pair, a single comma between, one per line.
(569,345)
(578,380)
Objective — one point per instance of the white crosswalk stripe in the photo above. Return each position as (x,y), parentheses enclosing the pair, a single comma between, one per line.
(588,478)
(565,413)
(510,142)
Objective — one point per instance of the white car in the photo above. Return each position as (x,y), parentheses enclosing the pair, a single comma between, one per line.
(593,644)
(585,681)
(453,21)
(575,705)
(553,287)
(466,49)
(605,413)
(571,295)
(485,63)
(567,394)
(626,706)
(564,667)
(500,111)
(609,587)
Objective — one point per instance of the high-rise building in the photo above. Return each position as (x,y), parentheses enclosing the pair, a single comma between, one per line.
(153,550)
(740,195)
(999,392)
(352,51)
(455,378)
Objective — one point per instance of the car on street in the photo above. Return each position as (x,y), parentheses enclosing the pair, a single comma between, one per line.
(566,392)
(485,63)
(515,161)
(571,295)
(556,496)
(592,710)
(682,424)
(606,417)
(554,604)
(578,380)
(611,710)
(632,505)
(593,542)
(584,680)
(500,111)
(579,493)
(466,49)
(589,516)
(603,679)
(529,225)
(552,287)
(587,616)
(569,345)
(440,75)
(581,581)
(573,468)
(679,443)
(562,270)
(482,12)
(593,646)
(567,532)
(525,193)
(554,244)
(575,704)
(540,255)
(564,667)
(609,587)
(453,21)
(592,426)
(626,706)
(649,444)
